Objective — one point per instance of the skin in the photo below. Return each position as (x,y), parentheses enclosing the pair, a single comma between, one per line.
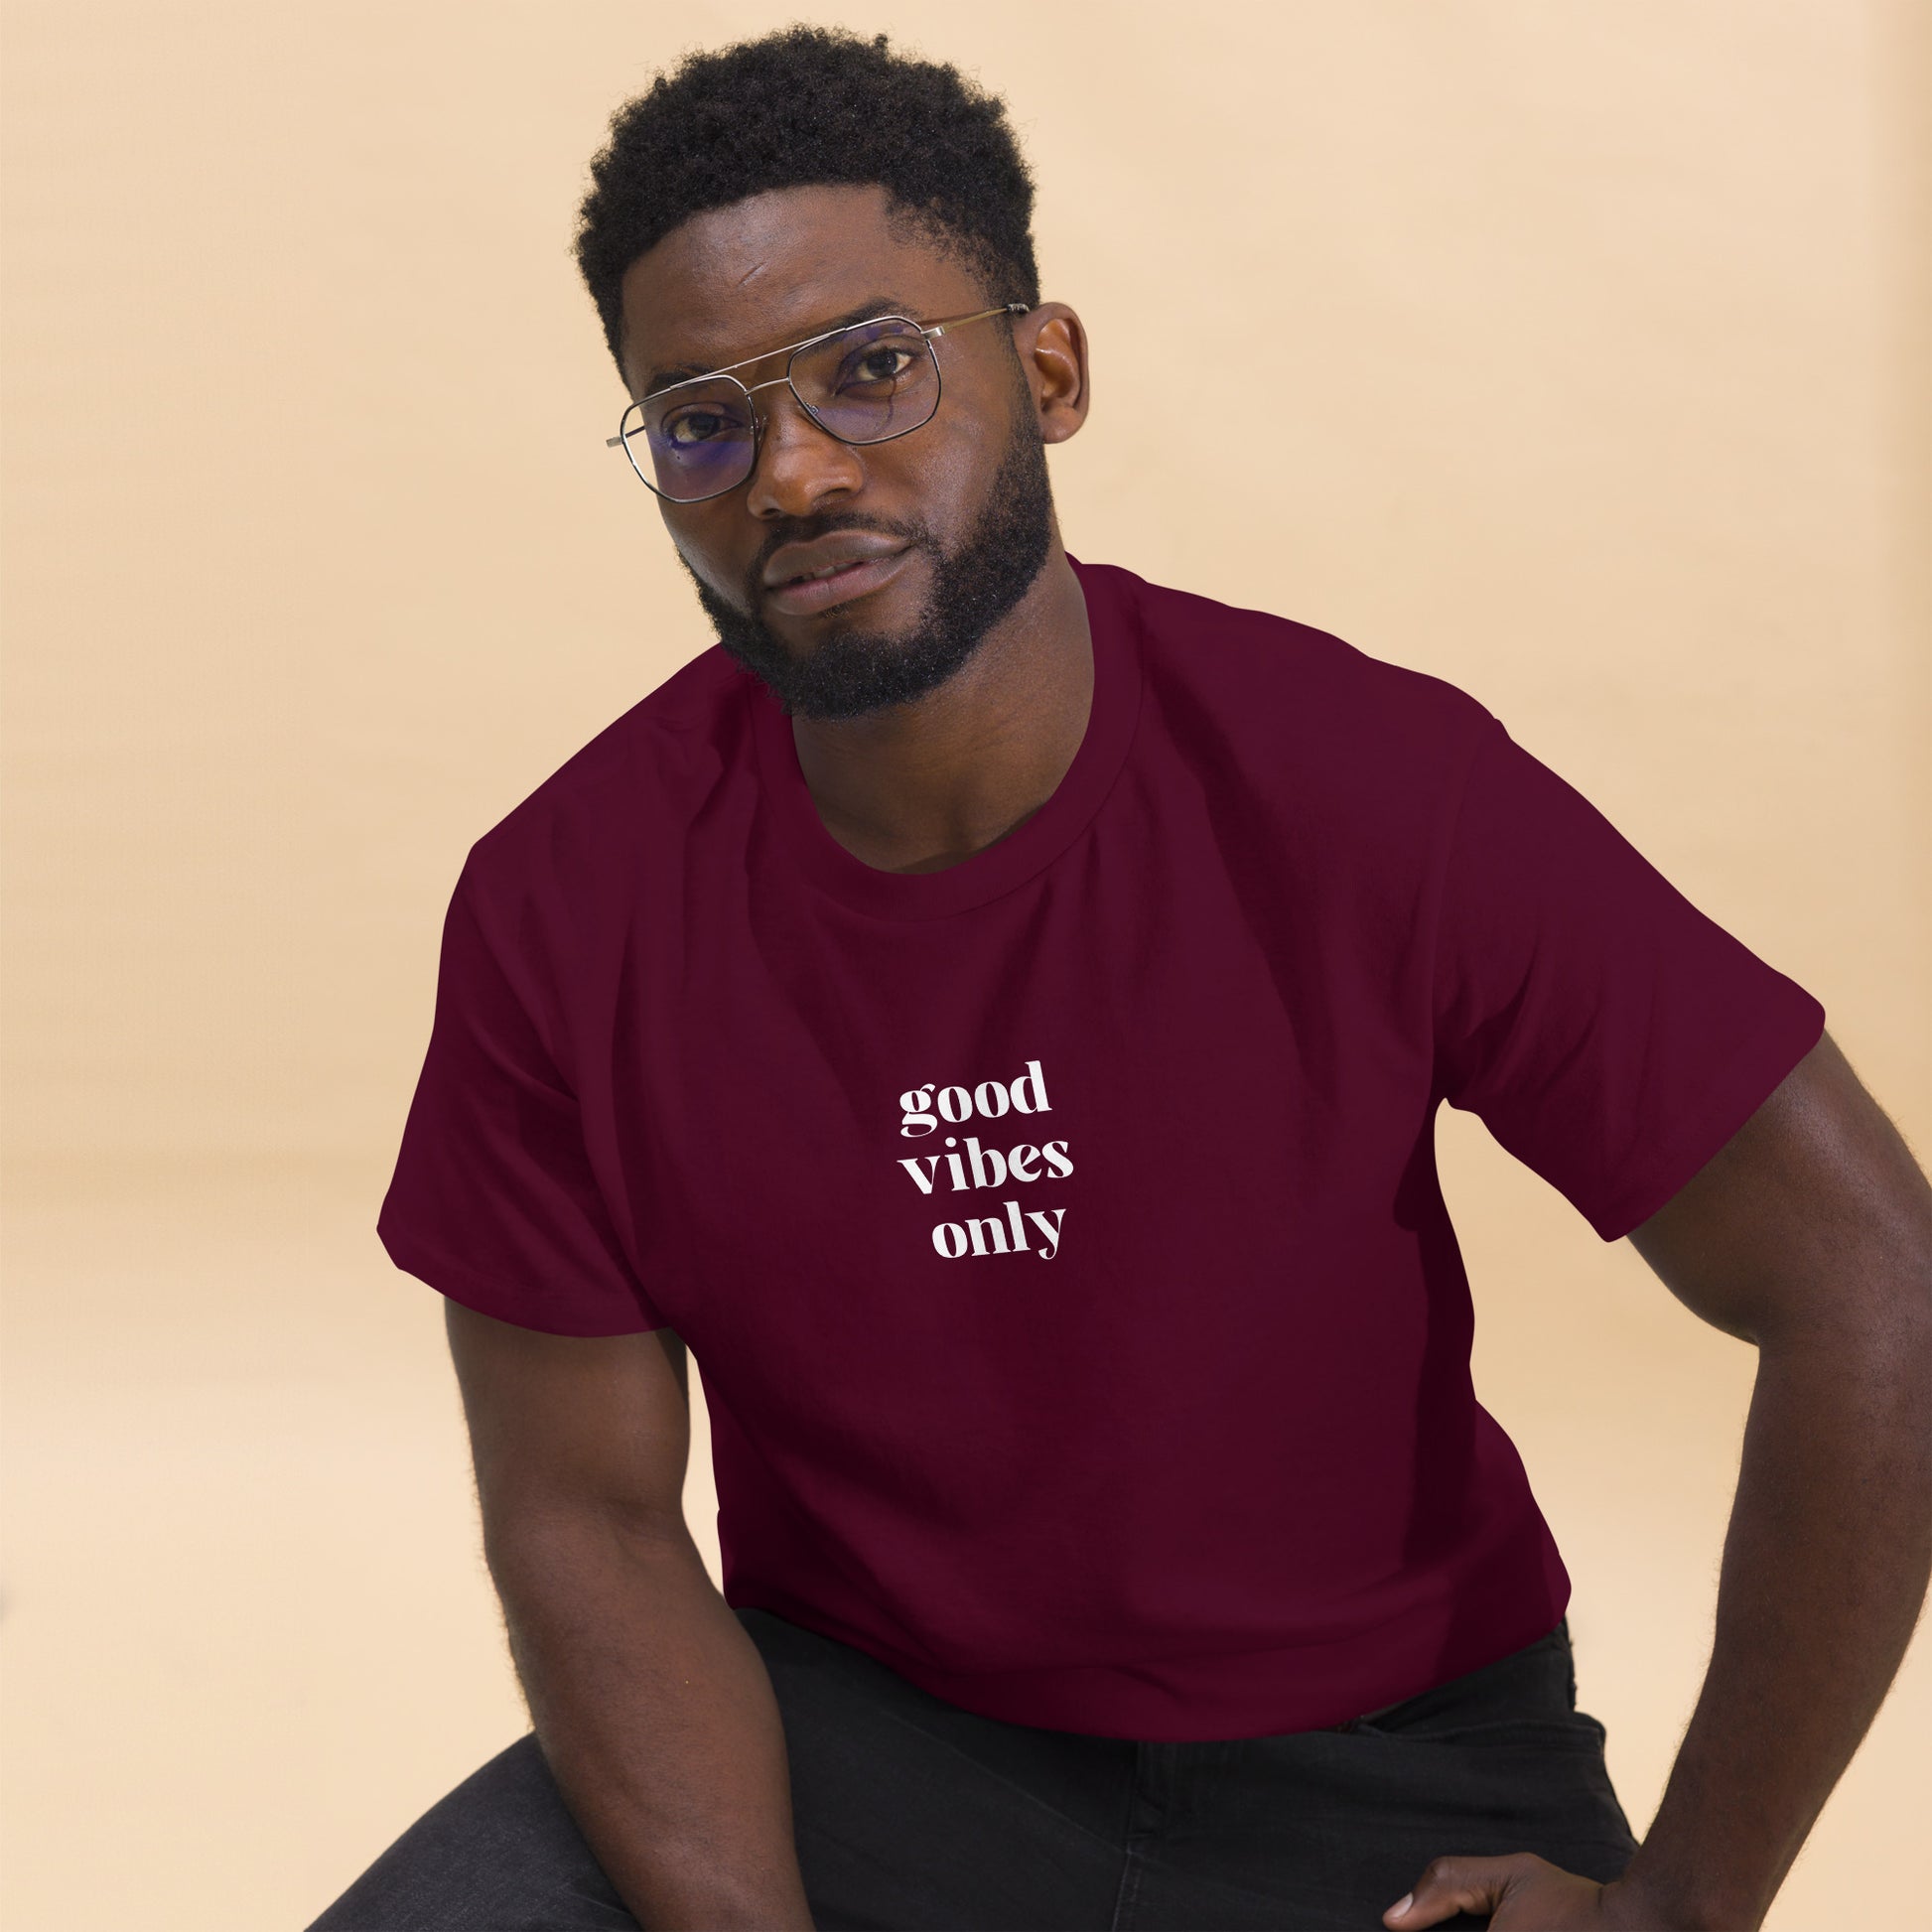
(1808,1237)
(919,786)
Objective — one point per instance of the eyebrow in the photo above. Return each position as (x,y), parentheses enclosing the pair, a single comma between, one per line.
(881,305)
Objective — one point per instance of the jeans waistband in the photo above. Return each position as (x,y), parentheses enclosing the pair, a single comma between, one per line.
(1538,1680)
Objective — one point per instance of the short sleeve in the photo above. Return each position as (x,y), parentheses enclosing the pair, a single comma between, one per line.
(493,1202)
(1608,1033)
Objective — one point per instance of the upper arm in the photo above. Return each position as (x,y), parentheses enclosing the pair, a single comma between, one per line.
(1813,1218)
(560,1423)
(1607,1031)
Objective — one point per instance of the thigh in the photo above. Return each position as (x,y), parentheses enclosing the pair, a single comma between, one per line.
(1329,1829)
(909,1813)
(498,1853)
(912,1814)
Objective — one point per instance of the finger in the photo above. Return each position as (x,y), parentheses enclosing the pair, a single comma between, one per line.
(1451,1886)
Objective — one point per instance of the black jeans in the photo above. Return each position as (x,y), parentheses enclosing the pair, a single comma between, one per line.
(911,1813)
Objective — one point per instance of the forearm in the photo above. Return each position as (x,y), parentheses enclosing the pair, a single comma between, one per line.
(1825,1568)
(656,1717)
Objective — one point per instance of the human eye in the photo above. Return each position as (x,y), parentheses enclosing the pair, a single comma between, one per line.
(695,423)
(879,364)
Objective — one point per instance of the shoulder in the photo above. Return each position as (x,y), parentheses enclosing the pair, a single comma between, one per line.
(598,817)
(1288,704)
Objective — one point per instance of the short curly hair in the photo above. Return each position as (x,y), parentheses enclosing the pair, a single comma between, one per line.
(804,107)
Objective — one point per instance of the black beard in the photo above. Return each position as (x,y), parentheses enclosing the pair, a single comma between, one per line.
(848,671)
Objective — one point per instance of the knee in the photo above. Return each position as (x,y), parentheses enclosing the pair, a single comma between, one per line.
(500,1850)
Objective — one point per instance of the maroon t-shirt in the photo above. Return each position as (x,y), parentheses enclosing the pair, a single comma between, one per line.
(1059,1234)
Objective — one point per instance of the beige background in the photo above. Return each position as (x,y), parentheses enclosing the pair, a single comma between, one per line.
(1590,374)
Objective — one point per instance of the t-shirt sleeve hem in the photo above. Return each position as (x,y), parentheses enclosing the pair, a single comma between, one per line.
(499,1300)
(1729,1100)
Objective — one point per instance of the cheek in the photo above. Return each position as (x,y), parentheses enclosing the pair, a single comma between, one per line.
(708,562)
(977,419)
(944,470)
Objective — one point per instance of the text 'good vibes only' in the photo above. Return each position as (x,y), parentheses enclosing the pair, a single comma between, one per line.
(963,1166)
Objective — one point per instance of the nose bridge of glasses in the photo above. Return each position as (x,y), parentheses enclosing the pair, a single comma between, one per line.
(774,433)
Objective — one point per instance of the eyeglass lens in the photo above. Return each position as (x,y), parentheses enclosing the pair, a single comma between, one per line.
(865,384)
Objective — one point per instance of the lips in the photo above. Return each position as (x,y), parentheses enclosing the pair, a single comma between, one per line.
(795,560)
(803,579)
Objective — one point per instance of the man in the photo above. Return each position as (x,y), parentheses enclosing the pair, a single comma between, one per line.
(1002,1033)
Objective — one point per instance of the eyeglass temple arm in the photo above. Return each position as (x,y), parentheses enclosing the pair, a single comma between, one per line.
(960,321)
(938,328)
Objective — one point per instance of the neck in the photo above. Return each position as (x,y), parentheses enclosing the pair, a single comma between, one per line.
(917,788)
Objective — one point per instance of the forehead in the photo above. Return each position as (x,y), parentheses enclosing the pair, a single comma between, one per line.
(766,271)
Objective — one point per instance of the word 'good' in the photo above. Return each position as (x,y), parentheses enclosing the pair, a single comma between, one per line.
(1025,1094)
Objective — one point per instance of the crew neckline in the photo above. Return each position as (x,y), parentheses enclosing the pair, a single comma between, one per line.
(1113,623)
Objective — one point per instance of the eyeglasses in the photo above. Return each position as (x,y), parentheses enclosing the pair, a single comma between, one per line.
(866,382)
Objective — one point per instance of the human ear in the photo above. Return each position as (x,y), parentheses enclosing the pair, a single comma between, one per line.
(1052,347)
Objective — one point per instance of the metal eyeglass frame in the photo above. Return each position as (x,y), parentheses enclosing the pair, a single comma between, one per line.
(791,351)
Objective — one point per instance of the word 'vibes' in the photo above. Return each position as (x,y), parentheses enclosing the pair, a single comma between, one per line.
(925,1110)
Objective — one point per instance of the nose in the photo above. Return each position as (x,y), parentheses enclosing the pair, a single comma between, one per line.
(801,468)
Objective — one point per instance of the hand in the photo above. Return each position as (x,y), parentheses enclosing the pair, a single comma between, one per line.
(1523,1894)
